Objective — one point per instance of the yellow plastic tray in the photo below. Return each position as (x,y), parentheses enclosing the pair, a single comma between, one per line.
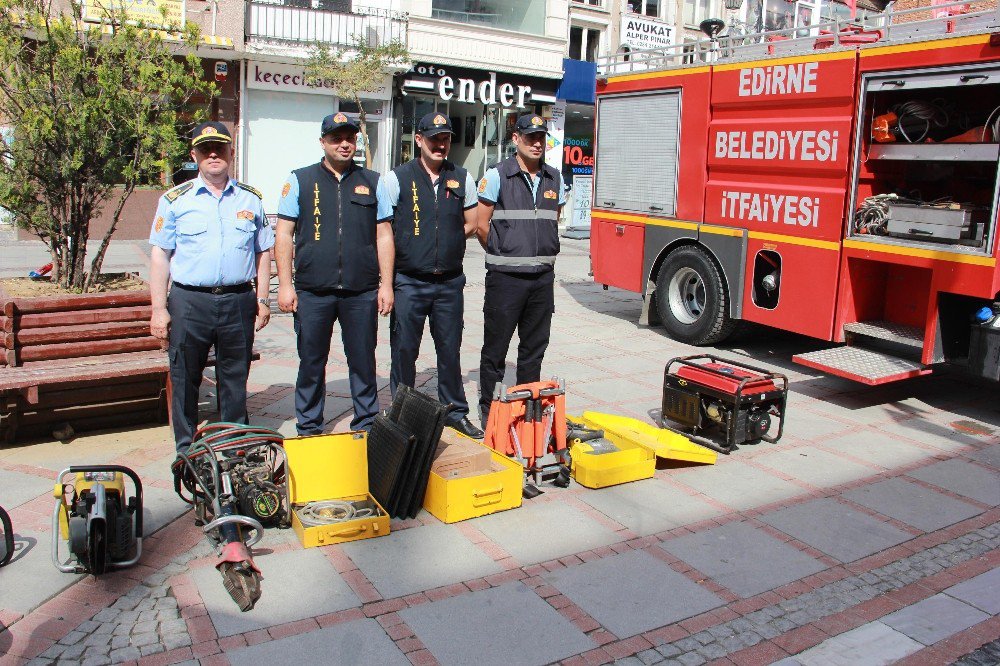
(631,463)
(326,467)
(640,443)
(452,500)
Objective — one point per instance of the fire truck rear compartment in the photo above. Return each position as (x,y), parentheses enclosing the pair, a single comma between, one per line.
(927,152)
(926,183)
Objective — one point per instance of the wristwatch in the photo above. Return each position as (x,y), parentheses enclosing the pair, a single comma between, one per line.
(266,302)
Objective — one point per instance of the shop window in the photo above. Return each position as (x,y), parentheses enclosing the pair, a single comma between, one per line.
(645,7)
(584,43)
(696,11)
(594,3)
(517,15)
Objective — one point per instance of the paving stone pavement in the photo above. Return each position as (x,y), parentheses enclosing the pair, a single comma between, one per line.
(869,534)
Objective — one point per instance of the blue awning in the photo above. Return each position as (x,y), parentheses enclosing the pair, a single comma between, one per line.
(579,81)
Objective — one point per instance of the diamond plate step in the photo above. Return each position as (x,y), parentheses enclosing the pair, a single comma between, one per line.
(862,365)
(910,337)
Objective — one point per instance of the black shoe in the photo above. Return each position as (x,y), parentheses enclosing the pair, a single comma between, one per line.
(467,428)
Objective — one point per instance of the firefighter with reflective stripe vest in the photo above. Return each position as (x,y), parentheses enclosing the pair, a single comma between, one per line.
(519,204)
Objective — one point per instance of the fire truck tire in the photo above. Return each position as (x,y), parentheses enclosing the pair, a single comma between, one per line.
(691,298)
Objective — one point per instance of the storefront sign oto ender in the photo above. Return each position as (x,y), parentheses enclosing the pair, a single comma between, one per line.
(470,91)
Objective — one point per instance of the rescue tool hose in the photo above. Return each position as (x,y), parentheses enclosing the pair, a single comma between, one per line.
(330,511)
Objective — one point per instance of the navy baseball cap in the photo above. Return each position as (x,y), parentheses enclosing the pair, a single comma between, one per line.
(530,123)
(212,131)
(336,121)
(433,124)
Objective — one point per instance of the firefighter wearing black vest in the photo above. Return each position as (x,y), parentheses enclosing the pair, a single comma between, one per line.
(519,204)
(432,206)
(343,272)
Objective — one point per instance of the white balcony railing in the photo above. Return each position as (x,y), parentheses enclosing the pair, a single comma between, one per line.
(332,22)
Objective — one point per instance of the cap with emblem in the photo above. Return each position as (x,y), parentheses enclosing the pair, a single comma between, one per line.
(433,124)
(212,131)
(336,121)
(530,123)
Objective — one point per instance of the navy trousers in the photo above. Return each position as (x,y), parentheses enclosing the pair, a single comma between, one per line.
(440,301)
(199,321)
(357,312)
(521,301)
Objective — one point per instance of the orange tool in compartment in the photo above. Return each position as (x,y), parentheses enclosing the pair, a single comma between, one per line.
(528,421)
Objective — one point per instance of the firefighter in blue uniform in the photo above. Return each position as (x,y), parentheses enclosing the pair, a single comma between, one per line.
(432,206)
(519,204)
(209,236)
(343,272)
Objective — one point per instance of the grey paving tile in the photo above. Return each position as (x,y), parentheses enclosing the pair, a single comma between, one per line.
(738,486)
(418,559)
(983,591)
(872,644)
(19,488)
(742,558)
(613,389)
(489,627)
(880,448)
(29,579)
(836,529)
(332,408)
(934,618)
(296,585)
(359,642)
(963,478)
(928,432)
(541,532)
(159,508)
(815,466)
(649,506)
(632,593)
(912,504)
(812,425)
(989,456)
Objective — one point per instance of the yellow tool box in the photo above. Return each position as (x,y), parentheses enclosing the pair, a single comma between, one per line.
(664,443)
(631,456)
(452,500)
(332,467)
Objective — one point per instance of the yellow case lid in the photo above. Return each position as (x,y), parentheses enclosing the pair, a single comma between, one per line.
(323,467)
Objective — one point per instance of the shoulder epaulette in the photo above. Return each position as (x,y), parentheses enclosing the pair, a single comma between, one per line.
(172,195)
(251,190)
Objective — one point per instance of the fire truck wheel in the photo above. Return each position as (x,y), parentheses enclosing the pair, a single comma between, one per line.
(691,298)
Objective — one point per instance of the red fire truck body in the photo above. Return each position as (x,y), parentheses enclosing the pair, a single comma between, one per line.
(733,190)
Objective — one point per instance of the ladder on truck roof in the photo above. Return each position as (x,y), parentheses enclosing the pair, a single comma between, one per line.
(888,27)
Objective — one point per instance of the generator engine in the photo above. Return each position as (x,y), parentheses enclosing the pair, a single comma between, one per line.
(723,403)
(102,524)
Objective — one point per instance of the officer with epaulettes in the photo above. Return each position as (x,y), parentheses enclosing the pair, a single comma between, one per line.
(343,272)
(519,204)
(431,203)
(209,236)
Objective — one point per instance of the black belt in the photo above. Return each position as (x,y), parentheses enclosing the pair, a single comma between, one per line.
(442,276)
(222,289)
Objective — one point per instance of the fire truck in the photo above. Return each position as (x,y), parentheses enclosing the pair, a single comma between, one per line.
(839,181)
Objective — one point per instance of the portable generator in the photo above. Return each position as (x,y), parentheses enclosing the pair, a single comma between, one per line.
(95,515)
(730,402)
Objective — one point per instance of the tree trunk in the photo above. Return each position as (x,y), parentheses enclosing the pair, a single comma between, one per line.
(95,266)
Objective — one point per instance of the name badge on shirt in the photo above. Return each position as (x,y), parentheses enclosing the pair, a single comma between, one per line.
(362,189)
(549,194)
(245,215)
(451,184)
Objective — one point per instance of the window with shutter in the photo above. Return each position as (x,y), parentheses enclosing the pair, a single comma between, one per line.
(636,160)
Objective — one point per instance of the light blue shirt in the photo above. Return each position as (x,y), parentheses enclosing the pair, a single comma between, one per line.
(288,204)
(489,186)
(212,240)
(387,194)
